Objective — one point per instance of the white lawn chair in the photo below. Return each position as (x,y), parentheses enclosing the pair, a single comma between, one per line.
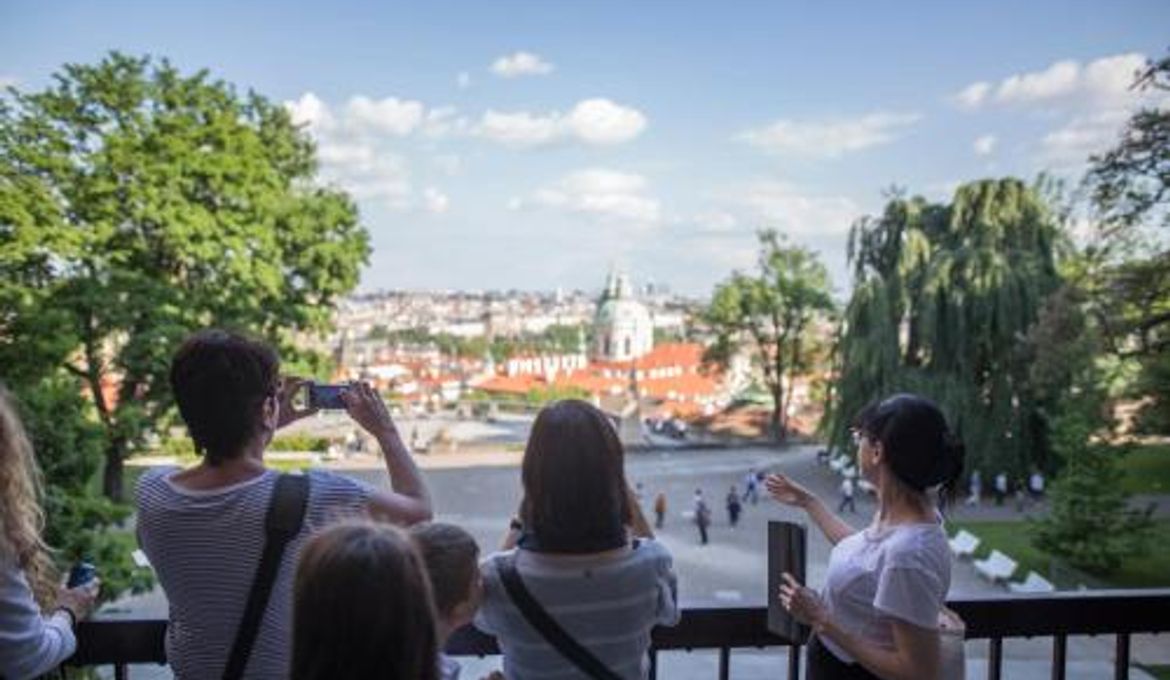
(964,543)
(1035,583)
(867,487)
(996,567)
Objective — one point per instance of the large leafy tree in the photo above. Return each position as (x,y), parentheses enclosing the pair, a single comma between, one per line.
(776,311)
(1128,263)
(943,294)
(138,203)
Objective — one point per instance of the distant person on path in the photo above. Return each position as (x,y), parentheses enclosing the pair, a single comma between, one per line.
(847,491)
(451,557)
(702,516)
(1001,488)
(638,492)
(204,527)
(37,615)
(659,510)
(878,614)
(1036,485)
(583,552)
(363,607)
(976,488)
(733,506)
(751,487)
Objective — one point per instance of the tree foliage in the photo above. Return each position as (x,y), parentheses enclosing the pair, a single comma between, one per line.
(137,204)
(943,295)
(776,311)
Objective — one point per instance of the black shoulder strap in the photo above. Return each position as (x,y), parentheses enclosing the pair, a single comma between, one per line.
(286,514)
(548,628)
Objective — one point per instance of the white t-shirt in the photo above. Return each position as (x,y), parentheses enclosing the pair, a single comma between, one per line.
(608,603)
(901,572)
(205,547)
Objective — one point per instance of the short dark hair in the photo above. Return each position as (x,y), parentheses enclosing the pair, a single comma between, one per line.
(575,495)
(220,380)
(452,560)
(919,446)
(362,607)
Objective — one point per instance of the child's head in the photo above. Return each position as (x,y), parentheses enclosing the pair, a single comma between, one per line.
(363,606)
(451,557)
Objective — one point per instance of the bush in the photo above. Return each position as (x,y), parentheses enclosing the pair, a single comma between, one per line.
(80,522)
(299,442)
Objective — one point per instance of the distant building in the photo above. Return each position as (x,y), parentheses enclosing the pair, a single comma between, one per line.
(623,327)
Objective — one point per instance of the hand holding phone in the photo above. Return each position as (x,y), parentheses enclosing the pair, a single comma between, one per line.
(81,574)
(327,397)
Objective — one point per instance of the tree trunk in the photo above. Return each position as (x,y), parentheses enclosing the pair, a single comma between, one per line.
(778,411)
(112,476)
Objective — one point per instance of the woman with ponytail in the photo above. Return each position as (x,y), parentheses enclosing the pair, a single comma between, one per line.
(37,616)
(878,615)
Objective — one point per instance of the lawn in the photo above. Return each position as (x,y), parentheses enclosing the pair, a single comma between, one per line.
(1012,538)
(1147,469)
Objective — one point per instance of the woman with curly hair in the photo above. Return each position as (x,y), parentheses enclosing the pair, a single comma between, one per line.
(37,617)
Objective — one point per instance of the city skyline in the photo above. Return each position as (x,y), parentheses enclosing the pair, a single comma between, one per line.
(530,147)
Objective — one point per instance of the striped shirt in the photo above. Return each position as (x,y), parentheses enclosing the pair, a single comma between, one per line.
(30,643)
(205,546)
(607,603)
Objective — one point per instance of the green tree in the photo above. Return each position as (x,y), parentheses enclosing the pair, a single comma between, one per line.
(776,310)
(138,204)
(1128,263)
(942,295)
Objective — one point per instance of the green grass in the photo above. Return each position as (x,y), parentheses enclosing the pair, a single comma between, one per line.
(1159,672)
(1147,469)
(1013,539)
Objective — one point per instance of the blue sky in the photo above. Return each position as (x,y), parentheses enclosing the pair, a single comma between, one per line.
(535,145)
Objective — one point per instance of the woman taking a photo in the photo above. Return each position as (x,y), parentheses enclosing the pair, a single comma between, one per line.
(580,581)
(31,641)
(878,614)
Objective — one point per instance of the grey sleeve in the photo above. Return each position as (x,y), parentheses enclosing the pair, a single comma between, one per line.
(30,644)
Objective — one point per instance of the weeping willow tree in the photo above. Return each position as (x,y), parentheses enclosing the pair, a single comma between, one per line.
(943,296)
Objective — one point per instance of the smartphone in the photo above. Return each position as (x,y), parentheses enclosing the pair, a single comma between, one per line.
(81,574)
(326,396)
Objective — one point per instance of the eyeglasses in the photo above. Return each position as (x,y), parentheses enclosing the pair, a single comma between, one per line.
(858,437)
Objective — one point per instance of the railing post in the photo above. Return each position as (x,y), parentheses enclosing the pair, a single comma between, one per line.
(724,663)
(121,671)
(1059,656)
(653,664)
(794,662)
(1121,658)
(995,659)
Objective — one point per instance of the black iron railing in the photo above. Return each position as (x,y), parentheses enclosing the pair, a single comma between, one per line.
(1121,613)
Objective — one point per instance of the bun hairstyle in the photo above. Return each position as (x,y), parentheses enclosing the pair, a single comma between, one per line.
(920,449)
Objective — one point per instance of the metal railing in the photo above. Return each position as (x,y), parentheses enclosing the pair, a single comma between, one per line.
(1121,613)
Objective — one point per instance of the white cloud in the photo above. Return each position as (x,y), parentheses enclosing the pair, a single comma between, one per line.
(1106,81)
(463,80)
(829,138)
(445,121)
(1069,146)
(449,164)
(521,64)
(592,121)
(310,111)
(435,201)
(608,195)
(782,205)
(601,121)
(389,115)
(973,95)
(7,81)
(984,145)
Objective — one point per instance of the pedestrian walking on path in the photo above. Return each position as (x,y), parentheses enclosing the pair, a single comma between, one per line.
(847,490)
(976,487)
(659,510)
(702,516)
(1036,486)
(751,487)
(1001,488)
(733,506)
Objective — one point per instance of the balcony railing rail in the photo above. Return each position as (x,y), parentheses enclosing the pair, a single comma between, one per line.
(1120,613)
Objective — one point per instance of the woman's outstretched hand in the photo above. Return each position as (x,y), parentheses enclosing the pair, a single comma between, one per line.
(367,409)
(787,491)
(289,413)
(803,603)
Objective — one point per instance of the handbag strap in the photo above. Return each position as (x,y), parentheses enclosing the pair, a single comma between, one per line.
(286,514)
(548,628)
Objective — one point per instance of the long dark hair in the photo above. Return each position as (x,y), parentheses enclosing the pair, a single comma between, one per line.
(575,496)
(919,447)
(363,607)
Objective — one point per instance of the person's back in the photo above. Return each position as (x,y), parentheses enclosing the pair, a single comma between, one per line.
(205,546)
(203,528)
